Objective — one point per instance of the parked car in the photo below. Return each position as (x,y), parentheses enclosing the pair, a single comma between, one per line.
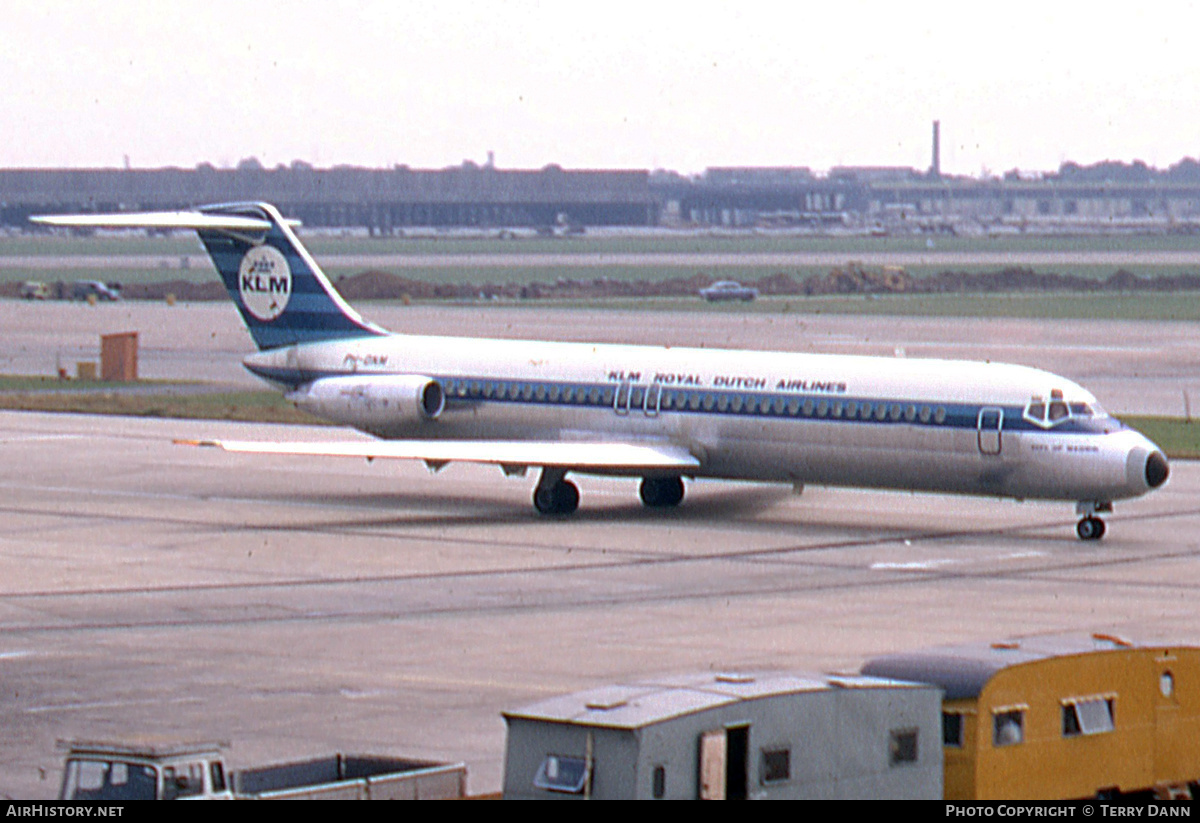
(728,290)
(85,289)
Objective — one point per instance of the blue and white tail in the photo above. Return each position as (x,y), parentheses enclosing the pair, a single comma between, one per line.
(282,294)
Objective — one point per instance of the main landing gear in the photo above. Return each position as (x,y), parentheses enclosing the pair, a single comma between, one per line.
(661,492)
(554,494)
(1091,527)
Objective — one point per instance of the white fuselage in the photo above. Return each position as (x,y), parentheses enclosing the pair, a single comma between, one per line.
(932,425)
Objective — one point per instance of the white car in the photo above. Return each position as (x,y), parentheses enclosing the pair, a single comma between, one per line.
(728,290)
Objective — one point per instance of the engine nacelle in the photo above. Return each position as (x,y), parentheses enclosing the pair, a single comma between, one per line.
(373,402)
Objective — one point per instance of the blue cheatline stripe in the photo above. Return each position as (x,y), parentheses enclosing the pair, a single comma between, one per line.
(473,391)
(311,314)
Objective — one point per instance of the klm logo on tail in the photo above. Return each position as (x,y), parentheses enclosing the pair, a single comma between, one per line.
(265,282)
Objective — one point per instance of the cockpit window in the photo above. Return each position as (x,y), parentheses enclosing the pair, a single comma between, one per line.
(1049,414)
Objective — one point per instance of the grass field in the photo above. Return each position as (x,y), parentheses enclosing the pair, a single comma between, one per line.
(147,399)
(163,255)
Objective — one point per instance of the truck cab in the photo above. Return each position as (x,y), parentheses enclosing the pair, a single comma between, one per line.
(144,771)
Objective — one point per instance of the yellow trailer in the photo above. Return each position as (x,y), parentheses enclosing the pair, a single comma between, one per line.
(1062,717)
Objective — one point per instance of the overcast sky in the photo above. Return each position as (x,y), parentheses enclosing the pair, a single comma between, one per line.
(675,85)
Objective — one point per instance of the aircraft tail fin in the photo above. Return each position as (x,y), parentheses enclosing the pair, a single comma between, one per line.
(282,294)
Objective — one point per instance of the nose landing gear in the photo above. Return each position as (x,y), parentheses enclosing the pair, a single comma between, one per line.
(1091,527)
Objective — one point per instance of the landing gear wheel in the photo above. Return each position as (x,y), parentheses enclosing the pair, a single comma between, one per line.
(1090,528)
(556,498)
(661,492)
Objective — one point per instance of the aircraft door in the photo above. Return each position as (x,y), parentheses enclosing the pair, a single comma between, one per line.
(623,397)
(653,399)
(990,423)
(630,397)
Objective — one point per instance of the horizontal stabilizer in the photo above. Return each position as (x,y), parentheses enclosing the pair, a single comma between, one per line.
(159,220)
(559,454)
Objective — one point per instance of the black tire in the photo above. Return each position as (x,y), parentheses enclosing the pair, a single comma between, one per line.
(1090,528)
(661,492)
(560,498)
(566,497)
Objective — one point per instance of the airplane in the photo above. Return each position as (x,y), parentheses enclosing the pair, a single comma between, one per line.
(658,413)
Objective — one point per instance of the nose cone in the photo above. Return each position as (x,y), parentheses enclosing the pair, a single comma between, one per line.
(1157,469)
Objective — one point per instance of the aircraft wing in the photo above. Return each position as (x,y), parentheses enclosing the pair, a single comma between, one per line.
(510,454)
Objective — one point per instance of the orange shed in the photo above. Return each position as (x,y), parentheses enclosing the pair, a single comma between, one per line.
(119,356)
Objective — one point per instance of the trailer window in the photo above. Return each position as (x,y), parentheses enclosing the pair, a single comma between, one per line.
(1008,727)
(660,782)
(562,774)
(1084,716)
(902,747)
(776,766)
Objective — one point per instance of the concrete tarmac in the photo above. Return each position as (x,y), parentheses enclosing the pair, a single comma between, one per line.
(298,606)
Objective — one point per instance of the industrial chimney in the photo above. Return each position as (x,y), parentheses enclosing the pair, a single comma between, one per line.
(935,170)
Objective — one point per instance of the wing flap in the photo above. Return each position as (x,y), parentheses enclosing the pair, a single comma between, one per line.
(559,454)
